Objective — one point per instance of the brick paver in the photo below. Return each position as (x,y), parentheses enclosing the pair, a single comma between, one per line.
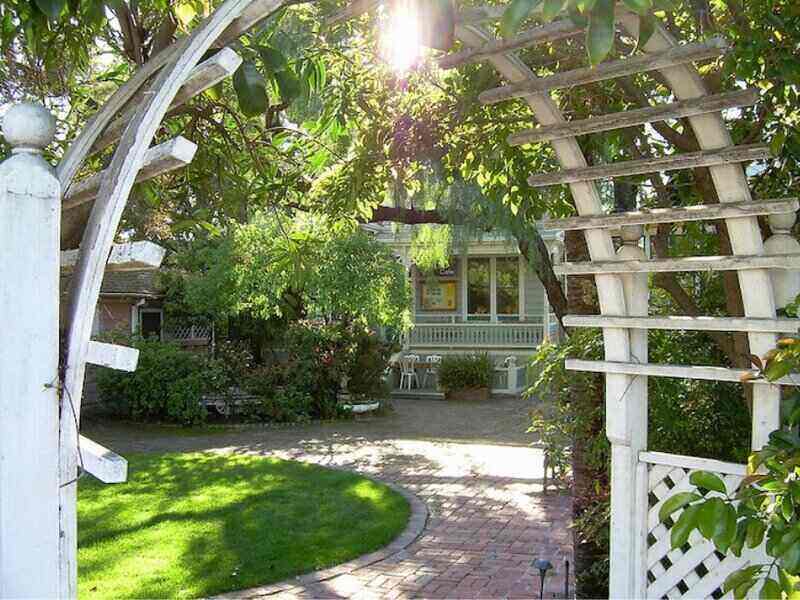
(472,465)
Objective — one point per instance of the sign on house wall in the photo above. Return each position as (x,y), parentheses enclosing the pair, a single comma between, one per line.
(438,295)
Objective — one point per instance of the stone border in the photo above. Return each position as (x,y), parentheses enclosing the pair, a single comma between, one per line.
(417,521)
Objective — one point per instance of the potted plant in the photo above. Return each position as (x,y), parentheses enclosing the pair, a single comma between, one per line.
(466,377)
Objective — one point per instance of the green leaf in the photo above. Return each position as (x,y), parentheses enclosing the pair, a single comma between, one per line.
(707,481)
(778,140)
(647,27)
(790,558)
(600,33)
(771,590)
(273,59)
(516,12)
(737,578)
(51,8)
(711,518)
(777,369)
(251,89)
(679,533)
(552,8)
(578,18)
(755,532)
(738,541)
(727,535)
(288,85)
(640,7)
(675,502)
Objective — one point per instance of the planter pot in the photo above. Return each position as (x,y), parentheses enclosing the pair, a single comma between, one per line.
(468,394)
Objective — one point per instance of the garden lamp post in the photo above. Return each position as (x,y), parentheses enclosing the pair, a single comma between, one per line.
(543,565)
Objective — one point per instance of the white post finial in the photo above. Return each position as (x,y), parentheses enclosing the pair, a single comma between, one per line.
(28,127)
(786,283)
(30,213)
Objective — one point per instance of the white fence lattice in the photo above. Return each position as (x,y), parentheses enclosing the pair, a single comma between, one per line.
(696,570)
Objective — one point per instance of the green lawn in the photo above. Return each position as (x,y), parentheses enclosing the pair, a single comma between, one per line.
(190,525)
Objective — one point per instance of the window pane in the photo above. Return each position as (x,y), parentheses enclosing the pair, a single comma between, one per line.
(508,286)
(478,286)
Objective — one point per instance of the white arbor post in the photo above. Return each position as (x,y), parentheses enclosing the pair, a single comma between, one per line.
(30,212)
(626,426)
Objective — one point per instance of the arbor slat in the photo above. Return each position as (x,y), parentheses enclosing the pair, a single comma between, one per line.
(680,323)
(133,256)
(101,462)
(674,162)
(204,76)
(113,356)
(171,155)
(698,212)
(678,265)
(641,63)
(549,32)
(639,116)
(679,371)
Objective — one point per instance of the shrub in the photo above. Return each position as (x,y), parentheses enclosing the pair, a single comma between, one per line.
(319,357)
(459,372)
(166,385)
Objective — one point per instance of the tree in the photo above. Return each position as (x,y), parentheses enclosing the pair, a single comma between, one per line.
(274,267)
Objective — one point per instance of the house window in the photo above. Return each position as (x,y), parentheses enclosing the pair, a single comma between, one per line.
(507,287)
(479,288)
(151,322)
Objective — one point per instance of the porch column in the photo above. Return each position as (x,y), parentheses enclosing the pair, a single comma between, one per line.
(521,278)
(464,286)
(493,289)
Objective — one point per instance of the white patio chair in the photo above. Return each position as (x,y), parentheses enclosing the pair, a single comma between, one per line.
(434,360)
(408,373)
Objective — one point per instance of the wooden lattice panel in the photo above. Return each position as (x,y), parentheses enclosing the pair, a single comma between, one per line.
(696,570)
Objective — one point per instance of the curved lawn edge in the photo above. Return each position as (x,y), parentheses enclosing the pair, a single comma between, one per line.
(417,521)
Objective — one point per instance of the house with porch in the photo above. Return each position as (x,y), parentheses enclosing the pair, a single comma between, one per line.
(489,299)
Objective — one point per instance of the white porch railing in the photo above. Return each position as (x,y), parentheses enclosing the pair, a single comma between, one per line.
(476,335)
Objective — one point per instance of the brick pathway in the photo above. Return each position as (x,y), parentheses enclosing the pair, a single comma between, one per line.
(470,463)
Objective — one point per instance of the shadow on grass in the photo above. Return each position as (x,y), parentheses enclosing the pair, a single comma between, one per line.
(198,524)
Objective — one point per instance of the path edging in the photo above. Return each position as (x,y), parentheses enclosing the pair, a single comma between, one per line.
(417,521)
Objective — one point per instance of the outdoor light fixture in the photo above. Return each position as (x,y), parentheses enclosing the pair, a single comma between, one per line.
(543,565)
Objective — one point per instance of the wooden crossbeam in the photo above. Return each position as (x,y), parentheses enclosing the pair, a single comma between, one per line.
(351,11)
(133,256)
(681,323)
(674,162)
(680,371)
(102,463)
(113,356)
(204,76)
(171,155)
(549,32)
(698,212)
(640,116)
(640,63)
(677,265)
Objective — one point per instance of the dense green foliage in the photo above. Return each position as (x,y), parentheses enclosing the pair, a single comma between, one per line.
(322,360)
(273,267)
(197,525)
(166,385)
(465,371)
